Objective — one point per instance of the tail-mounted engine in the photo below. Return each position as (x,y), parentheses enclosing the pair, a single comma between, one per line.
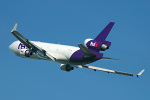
(92,44)
(25,53)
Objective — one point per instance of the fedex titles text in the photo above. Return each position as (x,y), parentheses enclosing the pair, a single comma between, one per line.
(94,44)
(22,46)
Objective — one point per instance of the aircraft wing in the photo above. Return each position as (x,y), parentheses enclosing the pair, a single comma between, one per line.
(112,71)
(34,48)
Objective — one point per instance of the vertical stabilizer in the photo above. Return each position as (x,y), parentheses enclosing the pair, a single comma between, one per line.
(103,35)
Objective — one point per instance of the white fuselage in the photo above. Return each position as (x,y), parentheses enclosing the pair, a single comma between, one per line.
(61,52)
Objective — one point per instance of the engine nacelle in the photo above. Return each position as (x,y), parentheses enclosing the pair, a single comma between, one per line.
(25,53)
(103,45)
(66,67)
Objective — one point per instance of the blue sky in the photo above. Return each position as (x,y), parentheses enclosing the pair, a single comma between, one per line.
(71,22)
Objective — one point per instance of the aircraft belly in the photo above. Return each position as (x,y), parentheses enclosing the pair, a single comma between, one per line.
(62,53)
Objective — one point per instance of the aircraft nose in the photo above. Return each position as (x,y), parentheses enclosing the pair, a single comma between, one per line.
(11,47)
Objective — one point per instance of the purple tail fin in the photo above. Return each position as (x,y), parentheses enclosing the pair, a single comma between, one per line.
(103,35)
(100,43)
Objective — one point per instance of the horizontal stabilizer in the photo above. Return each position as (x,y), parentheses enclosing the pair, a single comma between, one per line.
(87,52)
(106,58)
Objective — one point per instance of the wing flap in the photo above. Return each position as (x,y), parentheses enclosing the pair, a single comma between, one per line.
(112,71)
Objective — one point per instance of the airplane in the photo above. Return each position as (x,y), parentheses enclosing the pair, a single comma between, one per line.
(69,57)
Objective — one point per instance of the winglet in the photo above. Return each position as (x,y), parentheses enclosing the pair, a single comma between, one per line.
(140,73)
(15,27)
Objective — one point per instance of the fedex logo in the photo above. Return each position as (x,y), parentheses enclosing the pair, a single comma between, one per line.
(22,46)
(94,44)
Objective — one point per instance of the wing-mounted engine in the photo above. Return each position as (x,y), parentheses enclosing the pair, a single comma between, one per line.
(25,52)
(93,44)
(66,67)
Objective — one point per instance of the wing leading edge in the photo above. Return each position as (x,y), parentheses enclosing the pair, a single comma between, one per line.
(112,71)
(32,47)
